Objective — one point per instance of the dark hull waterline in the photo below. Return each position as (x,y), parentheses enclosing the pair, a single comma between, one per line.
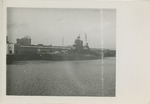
(50,57)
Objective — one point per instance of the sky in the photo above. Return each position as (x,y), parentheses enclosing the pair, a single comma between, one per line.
(53,26)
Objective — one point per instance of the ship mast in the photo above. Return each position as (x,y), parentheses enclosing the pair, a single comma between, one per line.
(63,41)
(85,39)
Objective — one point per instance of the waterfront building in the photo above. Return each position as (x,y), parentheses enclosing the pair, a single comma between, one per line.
(10,48)
(24,41)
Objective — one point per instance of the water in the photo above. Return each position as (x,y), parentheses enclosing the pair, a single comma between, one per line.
(62,78)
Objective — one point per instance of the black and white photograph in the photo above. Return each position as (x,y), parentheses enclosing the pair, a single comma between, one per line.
(61,52)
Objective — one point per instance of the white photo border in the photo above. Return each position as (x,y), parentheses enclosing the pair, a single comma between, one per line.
(131,84)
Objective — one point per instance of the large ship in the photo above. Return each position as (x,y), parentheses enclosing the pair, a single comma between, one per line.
(77,51)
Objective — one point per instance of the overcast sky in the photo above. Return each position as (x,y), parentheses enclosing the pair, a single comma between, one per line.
(49,26)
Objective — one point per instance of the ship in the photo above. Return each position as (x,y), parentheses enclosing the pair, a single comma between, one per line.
(77,51)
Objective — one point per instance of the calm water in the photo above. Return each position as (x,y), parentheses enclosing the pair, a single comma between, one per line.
(62,78)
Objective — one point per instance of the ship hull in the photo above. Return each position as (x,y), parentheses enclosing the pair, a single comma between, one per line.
(54,57)
(68,57)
